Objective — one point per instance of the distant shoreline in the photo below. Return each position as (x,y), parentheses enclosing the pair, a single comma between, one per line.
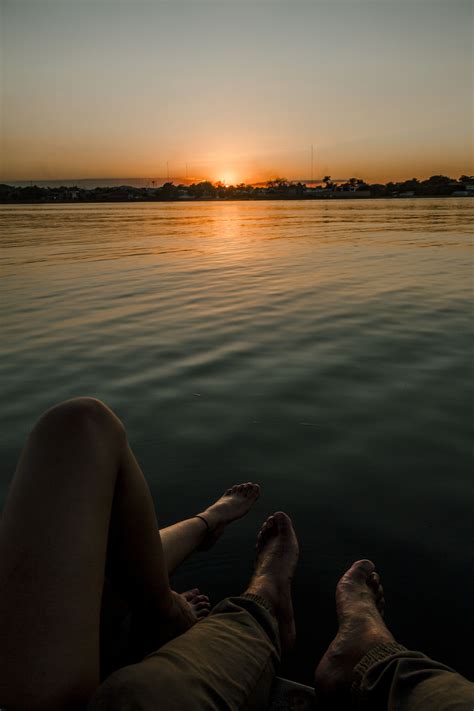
(205,191)
(121,201)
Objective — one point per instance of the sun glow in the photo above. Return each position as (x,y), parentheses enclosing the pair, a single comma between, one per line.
(229,179)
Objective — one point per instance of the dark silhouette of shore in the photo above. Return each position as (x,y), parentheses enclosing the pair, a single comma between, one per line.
(277,189)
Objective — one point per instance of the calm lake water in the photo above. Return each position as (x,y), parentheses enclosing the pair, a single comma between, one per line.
(322,349)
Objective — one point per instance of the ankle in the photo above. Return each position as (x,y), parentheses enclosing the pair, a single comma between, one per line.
(204,520)
(262,587)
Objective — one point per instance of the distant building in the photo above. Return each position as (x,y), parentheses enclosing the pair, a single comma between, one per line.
(317,192)
(467,192)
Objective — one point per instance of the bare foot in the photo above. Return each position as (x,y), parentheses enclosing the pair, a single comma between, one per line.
(149,633)
(234,504)
(199,604)
(277,556)
(360,604)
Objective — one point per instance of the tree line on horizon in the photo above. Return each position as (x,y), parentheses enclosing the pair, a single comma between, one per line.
(277,188)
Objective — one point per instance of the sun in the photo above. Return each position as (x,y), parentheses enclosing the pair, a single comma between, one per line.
(228,179)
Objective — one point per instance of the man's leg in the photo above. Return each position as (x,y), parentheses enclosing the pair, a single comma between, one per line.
(228,660)
(365,668)
(393,677)
(178,541)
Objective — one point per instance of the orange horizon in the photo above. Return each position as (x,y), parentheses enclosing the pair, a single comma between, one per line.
(382,92)
(292,166)
(261,180)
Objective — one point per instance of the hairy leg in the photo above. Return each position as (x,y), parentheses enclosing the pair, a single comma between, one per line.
(124,632)
(229,659)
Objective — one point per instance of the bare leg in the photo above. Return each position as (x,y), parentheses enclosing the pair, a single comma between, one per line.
(227,661)
(78,495)
(365,667)
(179,541)
(360,606)
(185,537)
(277,556)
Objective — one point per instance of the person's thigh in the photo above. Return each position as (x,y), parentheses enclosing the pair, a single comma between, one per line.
(53,543)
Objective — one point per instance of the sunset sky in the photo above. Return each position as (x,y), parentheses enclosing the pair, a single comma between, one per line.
(236,90)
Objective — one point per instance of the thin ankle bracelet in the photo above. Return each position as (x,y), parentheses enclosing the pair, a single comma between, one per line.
(203,519)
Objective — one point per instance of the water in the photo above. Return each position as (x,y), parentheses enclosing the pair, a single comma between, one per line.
(322,349)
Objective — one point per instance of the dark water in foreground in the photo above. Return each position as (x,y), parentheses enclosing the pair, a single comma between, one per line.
(321,349)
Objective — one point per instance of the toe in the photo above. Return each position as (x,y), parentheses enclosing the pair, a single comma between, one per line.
(190,594)
(282,521)
(264,529)
(373,581)
(202,606)
(360,571)
(254,490)
(269,523)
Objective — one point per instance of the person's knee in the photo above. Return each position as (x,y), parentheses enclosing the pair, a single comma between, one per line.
(81,415)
